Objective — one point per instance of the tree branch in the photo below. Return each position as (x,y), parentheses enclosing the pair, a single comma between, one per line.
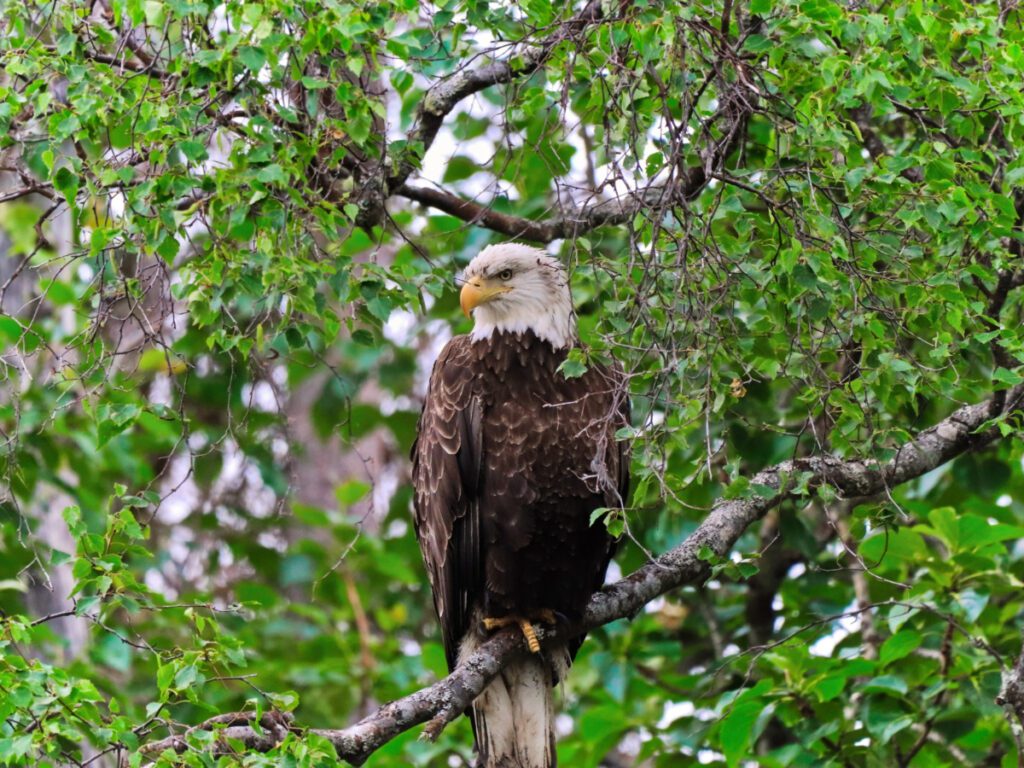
(46,190)
(736,108)
(1011,698)
(607,212)
(441,98)
(446,699)
(125,64)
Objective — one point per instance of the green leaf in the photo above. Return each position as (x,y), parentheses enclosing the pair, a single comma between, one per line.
(272,174)
(890,684)
(351,492)
(186,676)
(194,151)
(285,701)
(736,730)
(459,168)
(976,532)
(66,182)
(947,525)
(574,365)
(972,602)
(1007,377)
(899,645)
(598,513)
(252,58)
(73,517)
(893,545)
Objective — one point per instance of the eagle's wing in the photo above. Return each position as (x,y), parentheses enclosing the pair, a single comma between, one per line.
(445,472)
(609,407)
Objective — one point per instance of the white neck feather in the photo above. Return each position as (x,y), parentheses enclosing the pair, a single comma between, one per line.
(552,321)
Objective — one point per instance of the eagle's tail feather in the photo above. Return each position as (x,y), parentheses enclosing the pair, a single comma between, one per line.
(514,717)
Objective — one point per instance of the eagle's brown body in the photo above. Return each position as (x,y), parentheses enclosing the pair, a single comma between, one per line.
(511,460)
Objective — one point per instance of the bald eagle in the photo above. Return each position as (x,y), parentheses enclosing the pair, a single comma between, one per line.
(510,461)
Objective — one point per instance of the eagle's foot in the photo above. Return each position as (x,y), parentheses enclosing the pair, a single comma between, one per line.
(491,624)
(545,615)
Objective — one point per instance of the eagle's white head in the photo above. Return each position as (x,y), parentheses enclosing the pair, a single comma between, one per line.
(514,288)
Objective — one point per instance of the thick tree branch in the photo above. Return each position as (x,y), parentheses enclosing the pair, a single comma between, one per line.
(688,563)
(442,97)
(607,212)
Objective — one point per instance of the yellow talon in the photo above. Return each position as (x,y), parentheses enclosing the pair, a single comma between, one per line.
(545,615)
(531,635)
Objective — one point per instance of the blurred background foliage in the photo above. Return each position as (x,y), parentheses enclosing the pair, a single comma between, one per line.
(219,301)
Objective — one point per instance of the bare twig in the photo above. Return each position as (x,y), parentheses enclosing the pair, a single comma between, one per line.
(44,189)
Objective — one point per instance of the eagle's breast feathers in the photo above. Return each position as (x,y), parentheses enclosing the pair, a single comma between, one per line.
(510,460)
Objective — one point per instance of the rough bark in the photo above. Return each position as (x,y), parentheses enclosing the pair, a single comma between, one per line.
(573,224)
(1011,698)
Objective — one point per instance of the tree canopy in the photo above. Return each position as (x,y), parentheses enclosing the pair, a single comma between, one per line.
(229,238)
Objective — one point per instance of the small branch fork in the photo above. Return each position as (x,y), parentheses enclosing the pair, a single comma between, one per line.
(441,703)
(733,115)
(737,103)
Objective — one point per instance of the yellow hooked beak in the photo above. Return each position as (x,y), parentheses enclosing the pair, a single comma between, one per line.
(477,291)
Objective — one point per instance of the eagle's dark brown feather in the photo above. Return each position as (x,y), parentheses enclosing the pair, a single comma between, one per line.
(511,460)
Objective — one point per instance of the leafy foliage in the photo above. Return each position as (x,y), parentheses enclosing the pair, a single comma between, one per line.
(219,298)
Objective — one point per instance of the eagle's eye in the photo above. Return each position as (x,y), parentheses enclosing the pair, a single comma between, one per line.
(505,274)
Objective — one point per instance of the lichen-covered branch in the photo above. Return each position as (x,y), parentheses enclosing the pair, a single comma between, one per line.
(688,563)
(1011,698)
